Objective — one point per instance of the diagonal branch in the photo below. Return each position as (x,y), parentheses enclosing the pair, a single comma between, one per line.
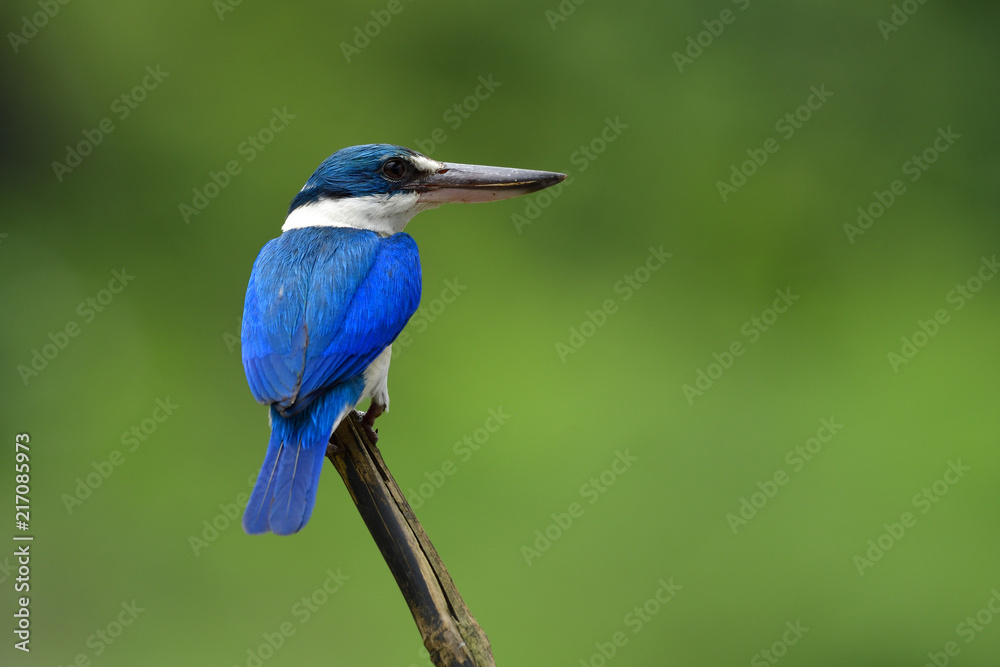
(450,633)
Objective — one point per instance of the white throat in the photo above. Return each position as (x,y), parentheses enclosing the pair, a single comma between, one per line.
(382,214)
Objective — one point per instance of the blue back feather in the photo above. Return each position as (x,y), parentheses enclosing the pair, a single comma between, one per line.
(322,303)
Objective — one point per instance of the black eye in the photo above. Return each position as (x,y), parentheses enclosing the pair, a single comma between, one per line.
(394,169)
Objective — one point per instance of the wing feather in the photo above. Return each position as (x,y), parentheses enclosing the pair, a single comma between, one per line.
(322,303)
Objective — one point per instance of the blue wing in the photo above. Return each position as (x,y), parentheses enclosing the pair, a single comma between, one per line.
(322,303)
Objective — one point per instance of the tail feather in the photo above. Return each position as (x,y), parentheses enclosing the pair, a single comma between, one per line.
(285,492)
(257,515)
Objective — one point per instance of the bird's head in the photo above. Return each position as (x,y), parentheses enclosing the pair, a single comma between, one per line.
(380,187)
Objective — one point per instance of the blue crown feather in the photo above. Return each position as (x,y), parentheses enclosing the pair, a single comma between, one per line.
(353,172)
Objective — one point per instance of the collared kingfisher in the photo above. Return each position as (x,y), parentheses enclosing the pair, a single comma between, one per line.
(327,298)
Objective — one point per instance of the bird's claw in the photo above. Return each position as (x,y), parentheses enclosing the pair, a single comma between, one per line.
(367,421)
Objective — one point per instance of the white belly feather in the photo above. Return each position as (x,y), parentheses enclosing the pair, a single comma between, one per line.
(377,377)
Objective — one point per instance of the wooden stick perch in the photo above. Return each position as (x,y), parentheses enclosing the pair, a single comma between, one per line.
(450,633)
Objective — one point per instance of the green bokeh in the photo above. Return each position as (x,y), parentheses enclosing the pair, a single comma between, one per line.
(169,335)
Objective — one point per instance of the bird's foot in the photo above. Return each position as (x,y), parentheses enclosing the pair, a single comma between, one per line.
(367,420)
(370,432)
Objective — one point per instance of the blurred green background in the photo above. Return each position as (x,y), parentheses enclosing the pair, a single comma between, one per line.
(684,93)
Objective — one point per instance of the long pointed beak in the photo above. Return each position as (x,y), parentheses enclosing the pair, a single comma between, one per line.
(474,183)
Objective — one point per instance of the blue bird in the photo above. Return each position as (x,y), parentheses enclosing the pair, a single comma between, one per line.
(327,298)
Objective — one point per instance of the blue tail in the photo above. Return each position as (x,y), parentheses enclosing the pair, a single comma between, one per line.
(283,497)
